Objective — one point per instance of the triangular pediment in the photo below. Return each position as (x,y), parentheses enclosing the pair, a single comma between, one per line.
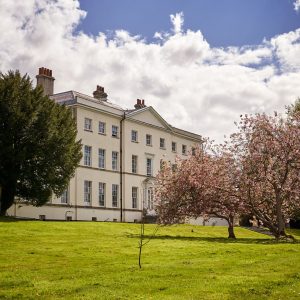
(149,116)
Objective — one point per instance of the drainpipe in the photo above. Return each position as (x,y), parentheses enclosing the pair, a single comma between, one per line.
(121,167)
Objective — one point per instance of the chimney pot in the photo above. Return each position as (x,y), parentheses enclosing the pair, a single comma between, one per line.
(45,79)
(100,94)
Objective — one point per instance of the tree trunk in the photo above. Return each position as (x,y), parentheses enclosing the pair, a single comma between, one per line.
(231,234)
(280,221)
(7,198)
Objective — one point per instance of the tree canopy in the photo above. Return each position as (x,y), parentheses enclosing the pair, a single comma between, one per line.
(256,172)
(38,148)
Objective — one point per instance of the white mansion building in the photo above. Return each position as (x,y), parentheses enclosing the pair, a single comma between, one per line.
(122,152)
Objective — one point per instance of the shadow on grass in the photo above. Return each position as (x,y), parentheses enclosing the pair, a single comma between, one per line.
(12,219)
(222,240)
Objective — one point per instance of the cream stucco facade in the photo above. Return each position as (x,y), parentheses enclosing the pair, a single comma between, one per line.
(116,182)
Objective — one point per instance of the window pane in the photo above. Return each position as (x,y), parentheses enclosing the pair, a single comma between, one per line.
(115,188)
(148,140)
(101,194)
(87,191)
(101,128)
(64,198)
(101,157)
(134,136)
(134,164)
(134,197)
(87,124)
(114,131)
(174,146)
(87,156)
(114,160)
(149,166)
(150,198)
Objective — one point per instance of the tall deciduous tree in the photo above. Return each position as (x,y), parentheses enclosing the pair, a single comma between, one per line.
(38,147)
(268,150)
(206,184)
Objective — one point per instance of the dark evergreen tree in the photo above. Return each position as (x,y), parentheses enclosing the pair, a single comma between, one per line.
(38,148)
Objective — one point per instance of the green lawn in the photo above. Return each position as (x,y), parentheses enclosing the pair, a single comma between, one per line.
(93,260)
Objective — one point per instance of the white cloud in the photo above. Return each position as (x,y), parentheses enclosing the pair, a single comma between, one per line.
(297,5)
(191,84)
(177,21)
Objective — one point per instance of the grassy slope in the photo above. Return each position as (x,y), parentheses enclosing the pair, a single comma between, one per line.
(89,260)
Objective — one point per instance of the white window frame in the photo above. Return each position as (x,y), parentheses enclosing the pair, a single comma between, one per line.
(87,156)
(101,193)
(101,127)
(174,147)
(114,131)
(149,167)
(150,198)
(148,139)
(162,143)
(134,164)
(134,197)
(193,151)
(101,158)
(184,149)
(115,195)
(134,136)
(115,160)
(88,124)
(64,198)
(87,192)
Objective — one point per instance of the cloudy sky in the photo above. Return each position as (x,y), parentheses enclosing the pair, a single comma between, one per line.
(200,64)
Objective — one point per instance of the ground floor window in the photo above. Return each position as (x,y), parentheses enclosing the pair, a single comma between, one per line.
(134,197)
(115,192)
(87,191)
(64,198)
(101,194)
(150,198)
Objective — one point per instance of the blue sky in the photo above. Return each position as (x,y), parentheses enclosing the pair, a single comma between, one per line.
(223,22)
(210,61)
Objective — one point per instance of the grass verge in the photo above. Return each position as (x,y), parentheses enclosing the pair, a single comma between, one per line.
(93,260)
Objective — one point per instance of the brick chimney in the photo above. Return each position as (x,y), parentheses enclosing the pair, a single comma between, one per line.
(100,94)
(139,104)
(46,80)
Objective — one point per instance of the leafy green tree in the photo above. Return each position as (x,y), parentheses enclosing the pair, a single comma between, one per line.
(38,148)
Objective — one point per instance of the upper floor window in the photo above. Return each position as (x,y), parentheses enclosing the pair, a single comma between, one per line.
(193,151)
(134,136)
(184,149)
(134,163)
(134,195)
(101,158)
(114,131)
(87,191)
(64,198)
(149,166)
(162,143)
(174,147)
(114,161)
(101,128)
(148,139)
(101,194)
(88,124)
(87,157)
(161,164)
(114,194)
(174,167)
